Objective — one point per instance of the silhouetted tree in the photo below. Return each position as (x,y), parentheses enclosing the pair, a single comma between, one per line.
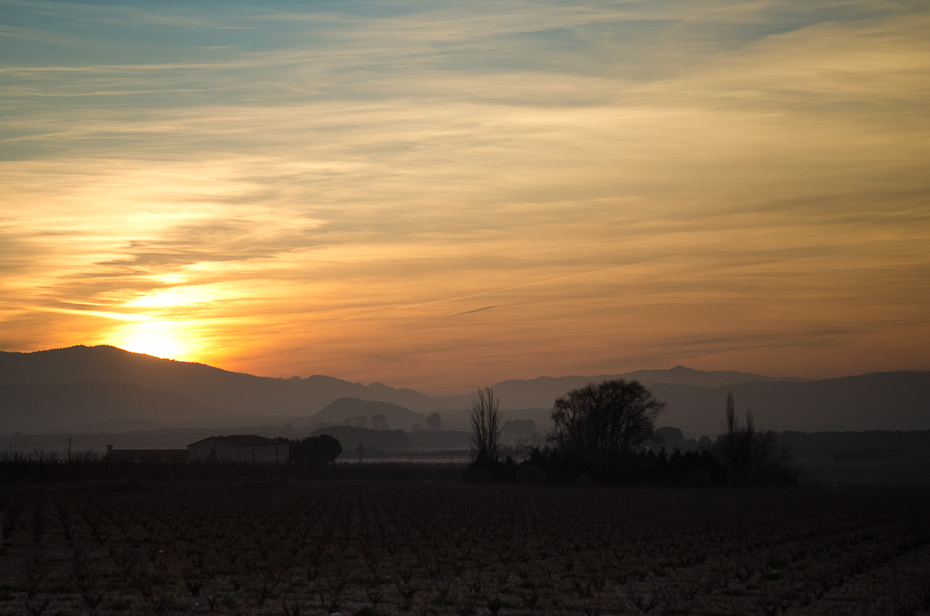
(486,426)
(603,422)
(434,421)
(316,449)
(750,456)
(380,422)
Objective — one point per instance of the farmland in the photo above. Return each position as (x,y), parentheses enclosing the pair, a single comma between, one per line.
(294,547)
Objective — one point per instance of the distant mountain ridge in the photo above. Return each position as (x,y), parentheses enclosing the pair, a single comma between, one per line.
(874,401)
(165,391)
(542,391)
(102,406)
(258,395)
(682,375)
(243,393)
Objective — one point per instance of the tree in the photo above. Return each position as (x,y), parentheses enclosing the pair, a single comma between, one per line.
(379,422)
(486,426)
(434,421)
(750,456)
(316,449)
(599,423)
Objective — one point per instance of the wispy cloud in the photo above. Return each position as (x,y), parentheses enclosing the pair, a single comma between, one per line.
(316,189)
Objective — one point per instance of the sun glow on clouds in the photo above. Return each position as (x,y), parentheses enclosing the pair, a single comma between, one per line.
(180,297)
(159,338)
(457,193)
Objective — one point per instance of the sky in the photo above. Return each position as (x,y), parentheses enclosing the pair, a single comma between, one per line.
(444,195)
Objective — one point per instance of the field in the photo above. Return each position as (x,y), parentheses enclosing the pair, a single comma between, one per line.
(294,547)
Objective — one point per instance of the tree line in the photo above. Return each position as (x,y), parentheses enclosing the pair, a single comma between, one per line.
(605,433)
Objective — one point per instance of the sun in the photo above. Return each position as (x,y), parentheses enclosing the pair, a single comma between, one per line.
(158,338)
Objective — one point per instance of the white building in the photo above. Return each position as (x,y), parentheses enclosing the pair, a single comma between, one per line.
(239,448)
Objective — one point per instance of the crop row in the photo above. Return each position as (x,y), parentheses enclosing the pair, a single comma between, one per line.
(309,548)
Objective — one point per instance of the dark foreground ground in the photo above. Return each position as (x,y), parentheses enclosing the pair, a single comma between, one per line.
(418,547)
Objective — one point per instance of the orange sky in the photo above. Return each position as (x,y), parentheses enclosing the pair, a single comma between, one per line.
(446,195)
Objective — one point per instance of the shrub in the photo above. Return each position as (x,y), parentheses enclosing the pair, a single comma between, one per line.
(752,457)
(316,450)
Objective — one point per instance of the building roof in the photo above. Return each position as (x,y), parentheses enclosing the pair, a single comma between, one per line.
(243,440)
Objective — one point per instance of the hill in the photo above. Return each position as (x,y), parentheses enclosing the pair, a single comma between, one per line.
(243,393)
(246,393)
(541,392)
(166,392)
(344,408)
(878,401)
(77,407)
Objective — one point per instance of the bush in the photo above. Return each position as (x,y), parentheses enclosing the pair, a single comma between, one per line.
(316,450)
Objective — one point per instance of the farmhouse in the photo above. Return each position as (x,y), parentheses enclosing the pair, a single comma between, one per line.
(239,448)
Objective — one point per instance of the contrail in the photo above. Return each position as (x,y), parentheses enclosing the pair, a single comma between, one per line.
(471,311)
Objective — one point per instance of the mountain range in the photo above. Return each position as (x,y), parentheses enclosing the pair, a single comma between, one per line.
(105,387)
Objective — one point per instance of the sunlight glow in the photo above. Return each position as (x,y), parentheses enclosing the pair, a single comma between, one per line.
(442,195)
(179,296)
(164,339)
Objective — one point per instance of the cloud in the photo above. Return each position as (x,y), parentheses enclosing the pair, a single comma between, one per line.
(635,176)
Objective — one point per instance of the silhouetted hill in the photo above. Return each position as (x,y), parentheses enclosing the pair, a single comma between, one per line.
(67,407)
(695,399)
(257,395)
(344,408)
(235,391)
(877,401)
(541,392)
(689,376)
